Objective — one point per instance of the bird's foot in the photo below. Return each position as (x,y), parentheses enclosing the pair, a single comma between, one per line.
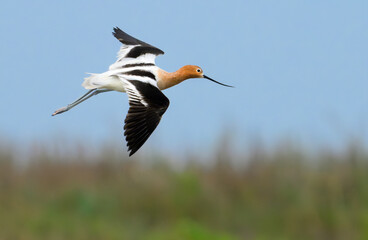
(60,110)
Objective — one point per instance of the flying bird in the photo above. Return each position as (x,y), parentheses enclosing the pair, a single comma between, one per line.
(136,74)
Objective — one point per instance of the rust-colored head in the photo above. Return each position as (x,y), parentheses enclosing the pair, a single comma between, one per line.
(167,80)
(192,71)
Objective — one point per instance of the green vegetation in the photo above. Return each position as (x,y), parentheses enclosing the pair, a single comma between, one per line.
(280,194)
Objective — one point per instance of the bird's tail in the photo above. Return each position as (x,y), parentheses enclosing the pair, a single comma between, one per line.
(103,81)
(95,80)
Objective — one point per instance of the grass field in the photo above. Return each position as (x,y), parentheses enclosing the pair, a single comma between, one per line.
(280,194)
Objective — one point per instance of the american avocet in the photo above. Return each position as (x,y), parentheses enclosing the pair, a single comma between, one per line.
(136,74)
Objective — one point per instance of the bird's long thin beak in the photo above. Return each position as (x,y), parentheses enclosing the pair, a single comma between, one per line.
(216,81)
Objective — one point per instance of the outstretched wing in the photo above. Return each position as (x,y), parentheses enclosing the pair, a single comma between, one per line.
(147,105)
(134,51)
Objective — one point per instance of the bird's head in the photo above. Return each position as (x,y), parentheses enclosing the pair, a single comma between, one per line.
(192,71)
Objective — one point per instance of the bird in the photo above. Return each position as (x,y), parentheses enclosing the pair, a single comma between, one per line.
(136,74)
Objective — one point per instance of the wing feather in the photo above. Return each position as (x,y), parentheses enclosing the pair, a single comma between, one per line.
(147,105)
(134,51)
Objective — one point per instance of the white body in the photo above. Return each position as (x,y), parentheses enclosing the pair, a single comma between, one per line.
(115,78)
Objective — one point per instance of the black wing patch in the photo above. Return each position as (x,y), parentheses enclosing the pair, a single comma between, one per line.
(147,105)
(141,73)
(140,50)
(126,39)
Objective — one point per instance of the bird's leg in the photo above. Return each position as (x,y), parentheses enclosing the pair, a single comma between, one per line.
(89,94)
(73,104)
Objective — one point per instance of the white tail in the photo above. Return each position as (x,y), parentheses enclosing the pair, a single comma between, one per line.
(92,81)
(103,81)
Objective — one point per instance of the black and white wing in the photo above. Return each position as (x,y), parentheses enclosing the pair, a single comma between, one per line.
(147,105)
(134,52)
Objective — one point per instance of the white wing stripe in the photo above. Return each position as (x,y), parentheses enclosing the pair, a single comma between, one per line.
(134,95)
(139,78)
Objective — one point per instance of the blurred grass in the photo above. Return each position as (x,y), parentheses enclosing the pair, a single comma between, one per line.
(281,194)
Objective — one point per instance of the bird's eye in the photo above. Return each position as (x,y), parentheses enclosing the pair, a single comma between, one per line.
(199,70)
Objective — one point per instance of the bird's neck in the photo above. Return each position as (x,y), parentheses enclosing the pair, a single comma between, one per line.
(169,79)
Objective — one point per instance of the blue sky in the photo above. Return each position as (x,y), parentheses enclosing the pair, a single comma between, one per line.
(300,69)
